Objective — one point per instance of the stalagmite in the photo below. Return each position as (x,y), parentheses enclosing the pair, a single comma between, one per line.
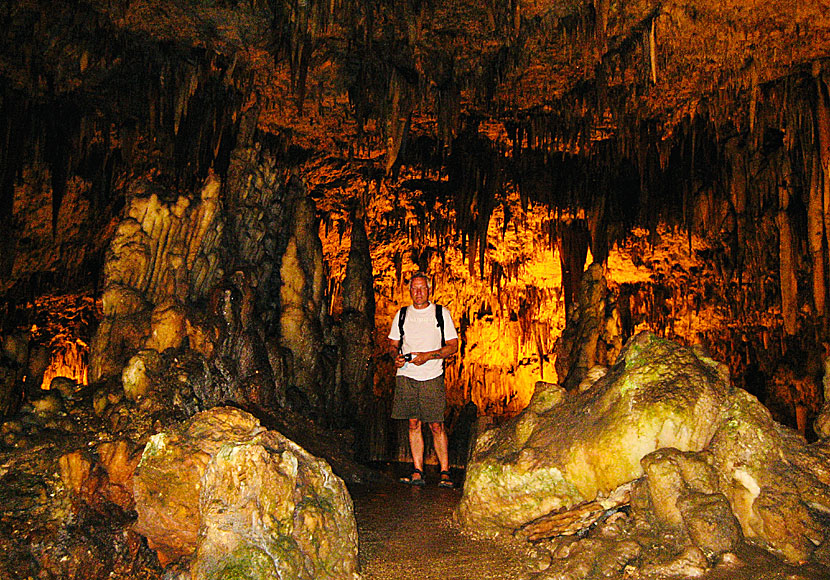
(358,366)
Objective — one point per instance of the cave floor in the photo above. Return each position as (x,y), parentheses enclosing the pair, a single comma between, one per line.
(408,532)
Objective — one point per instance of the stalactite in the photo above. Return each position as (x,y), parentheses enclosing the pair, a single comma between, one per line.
(787,271)
(820,186)
(815,237)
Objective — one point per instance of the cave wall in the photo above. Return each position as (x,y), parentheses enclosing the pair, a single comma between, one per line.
(610,117)
(136,173)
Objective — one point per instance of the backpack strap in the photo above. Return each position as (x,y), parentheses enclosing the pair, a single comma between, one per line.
(401,319)
(439,316)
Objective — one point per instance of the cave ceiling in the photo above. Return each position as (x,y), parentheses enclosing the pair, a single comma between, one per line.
(543,95)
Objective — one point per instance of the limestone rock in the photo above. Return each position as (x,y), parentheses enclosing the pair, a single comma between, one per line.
(102,477)
(135,376)
(576,349)
(769,475)
(821,425)
(119,460)
(671,474)
(243,501)
(119,300)
(10,391)
(657,395)
(48,404)
(163,254)
(15,347)
(203,334)
(709,521)
(67,387)
(301,296)
(592,558)
(691,563)
(357,344)
(167,327)
(168,479)
(114,342)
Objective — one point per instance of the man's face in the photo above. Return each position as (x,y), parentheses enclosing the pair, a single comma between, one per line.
(419,291)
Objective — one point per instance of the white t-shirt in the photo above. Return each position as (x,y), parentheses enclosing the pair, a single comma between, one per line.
(421,334)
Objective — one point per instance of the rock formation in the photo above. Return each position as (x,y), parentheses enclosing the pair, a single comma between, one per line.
(707,462)
(234,498)
(164,254)
(564,450)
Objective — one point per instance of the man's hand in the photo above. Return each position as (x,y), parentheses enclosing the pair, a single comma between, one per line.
(399,361)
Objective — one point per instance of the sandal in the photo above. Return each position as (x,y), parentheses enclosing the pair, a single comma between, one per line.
(445,480)
(412,480)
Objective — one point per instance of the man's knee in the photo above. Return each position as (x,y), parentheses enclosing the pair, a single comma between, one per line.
(436,428)
(414,424)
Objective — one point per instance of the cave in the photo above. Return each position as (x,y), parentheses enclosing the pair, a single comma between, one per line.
(212,205)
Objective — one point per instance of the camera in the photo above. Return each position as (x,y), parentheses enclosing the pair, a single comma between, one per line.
(407,357)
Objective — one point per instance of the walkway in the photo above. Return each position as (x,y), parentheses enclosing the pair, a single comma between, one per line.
(407,532)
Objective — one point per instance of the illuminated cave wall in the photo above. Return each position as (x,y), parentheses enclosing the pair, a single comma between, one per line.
(466,151)
(511,318)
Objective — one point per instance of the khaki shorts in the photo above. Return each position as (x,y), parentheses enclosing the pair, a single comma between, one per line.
(424,400)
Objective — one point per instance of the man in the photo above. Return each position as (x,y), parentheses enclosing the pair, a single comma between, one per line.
(419,384)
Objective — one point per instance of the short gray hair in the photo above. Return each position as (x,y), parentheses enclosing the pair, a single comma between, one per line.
(420,275)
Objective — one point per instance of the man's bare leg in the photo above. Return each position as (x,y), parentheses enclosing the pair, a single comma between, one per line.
(439,440)
(416,446)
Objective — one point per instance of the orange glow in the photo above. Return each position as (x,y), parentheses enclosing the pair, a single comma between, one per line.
(69,359)
(512,312)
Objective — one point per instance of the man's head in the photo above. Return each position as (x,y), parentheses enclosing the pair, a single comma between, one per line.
(419,289)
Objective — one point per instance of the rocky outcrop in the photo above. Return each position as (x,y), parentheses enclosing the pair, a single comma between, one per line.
(709,466)
(233,275)
(164,254)
(234,498)
(567,449)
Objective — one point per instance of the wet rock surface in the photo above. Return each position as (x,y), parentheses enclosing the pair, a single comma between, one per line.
(66,480)
(667,454)
(562,451)
(410,533)
(243,500)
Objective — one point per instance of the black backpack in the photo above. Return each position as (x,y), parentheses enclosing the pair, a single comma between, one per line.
(439,317)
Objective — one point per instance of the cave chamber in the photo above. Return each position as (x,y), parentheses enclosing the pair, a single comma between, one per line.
(221,203)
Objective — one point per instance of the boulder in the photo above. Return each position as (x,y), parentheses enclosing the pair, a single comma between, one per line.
(241,501)
(773,479)
(565,449)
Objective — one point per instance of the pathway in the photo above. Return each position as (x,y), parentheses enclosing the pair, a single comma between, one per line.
(407,532)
